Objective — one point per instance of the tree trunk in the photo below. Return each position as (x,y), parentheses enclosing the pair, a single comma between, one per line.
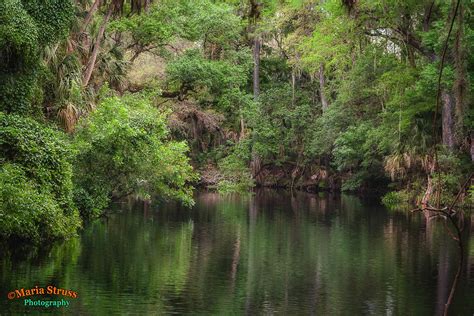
(472,146)
(461,84)
(427,16)
(255,167)
(447,116)
(242,127)
(322,85)
(293,83)
(95,51)
(89,15)
(256,67)
(147,5)
(426,198)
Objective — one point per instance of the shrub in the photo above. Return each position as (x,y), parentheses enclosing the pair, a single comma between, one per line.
(397,200)
(42,153)
(29,211)
(123,148)
(235,171)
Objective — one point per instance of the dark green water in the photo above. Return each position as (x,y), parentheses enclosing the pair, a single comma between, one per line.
(265,254)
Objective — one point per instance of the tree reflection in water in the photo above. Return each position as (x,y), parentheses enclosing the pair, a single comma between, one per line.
(270,252)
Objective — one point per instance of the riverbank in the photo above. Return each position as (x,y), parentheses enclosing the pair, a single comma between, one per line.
(396,195)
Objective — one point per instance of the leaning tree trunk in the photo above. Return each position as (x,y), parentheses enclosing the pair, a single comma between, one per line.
(95,51)
(89,16)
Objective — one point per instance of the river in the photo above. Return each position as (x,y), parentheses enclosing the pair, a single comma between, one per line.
(267,253)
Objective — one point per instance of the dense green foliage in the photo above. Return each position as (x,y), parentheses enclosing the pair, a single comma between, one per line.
(123,149)
(36,181)
(26,27)
(41,152)
(30,212)
(318,95)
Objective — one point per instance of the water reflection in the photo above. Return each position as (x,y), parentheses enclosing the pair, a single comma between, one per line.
(272,252)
